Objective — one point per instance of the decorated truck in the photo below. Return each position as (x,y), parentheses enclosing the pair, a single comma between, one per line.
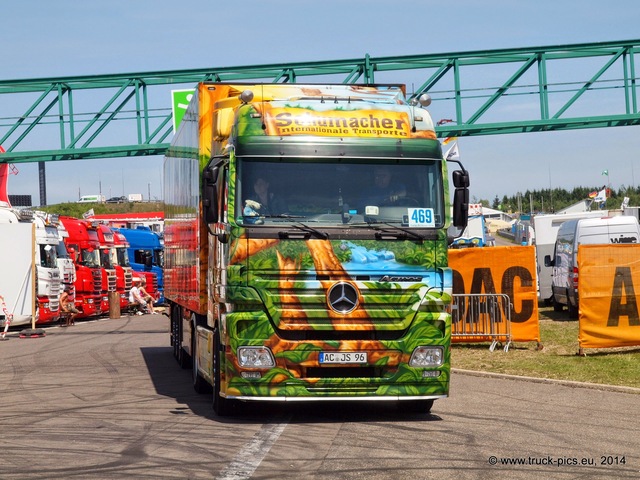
(306,245)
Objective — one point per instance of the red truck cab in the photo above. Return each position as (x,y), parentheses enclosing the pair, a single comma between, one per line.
(116,267)
(84,248)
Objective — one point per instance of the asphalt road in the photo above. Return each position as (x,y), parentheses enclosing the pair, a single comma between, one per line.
(105,399)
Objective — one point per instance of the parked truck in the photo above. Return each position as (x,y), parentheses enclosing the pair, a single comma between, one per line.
(146,254)
(28,243)
(122,249)
(84,248)
(331,295)
(92,199)
(116,269)
(65,262)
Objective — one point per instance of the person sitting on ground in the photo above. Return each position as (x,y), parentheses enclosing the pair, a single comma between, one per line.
(135,298)
(145,295)
(68,308)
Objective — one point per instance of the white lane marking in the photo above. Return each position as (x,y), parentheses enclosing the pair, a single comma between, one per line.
(249,458)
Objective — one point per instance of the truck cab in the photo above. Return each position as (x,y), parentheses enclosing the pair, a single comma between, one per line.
(117,268)
(146,254)
(84,248)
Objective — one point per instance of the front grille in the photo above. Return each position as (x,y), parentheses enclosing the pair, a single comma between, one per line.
(111,280)
(344,372)
(97,280)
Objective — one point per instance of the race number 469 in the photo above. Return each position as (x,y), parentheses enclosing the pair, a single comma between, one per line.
(421,217)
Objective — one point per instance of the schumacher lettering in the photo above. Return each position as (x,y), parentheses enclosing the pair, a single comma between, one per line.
(334,123)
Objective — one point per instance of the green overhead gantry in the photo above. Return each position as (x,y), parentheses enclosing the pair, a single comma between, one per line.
(473,93)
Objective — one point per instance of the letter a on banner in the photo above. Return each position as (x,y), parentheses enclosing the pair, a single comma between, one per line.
(608,286)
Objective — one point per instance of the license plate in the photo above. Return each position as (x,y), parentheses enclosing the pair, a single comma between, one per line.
(343,357)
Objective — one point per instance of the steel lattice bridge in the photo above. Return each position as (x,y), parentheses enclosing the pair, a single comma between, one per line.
(473,93)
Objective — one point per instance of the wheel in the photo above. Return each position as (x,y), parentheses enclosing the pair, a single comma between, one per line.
(178,352)
(415,406)
(557,307)
(573,310)
(222,406)
(200,385)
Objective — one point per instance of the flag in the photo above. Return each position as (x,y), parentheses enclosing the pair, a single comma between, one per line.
(88,214)
(602,196)
(453,153)
(605,172)
(448,140)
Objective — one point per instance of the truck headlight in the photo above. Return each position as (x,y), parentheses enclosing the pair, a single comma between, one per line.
(427,357)
(255,357)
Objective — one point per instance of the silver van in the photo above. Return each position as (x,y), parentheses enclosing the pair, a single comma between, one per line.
(572,233)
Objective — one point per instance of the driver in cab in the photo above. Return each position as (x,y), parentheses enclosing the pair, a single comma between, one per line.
(385,189)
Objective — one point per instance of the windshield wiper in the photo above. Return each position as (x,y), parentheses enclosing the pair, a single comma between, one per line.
(393,230)
(306,228)
(283,215)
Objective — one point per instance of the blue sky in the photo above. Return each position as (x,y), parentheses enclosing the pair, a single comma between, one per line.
(42,38)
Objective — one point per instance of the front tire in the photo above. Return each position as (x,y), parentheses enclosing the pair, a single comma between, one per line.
(222,406)
(415,406)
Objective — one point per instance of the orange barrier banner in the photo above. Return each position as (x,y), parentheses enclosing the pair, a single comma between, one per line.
(505,270)
(608,277)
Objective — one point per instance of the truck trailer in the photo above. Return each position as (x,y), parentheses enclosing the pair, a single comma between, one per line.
(332,285)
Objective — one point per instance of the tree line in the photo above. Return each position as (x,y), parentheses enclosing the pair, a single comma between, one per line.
(556,199)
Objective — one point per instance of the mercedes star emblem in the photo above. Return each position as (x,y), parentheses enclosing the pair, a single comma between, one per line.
(343,298)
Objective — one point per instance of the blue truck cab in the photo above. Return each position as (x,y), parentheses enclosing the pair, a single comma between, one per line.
(146,253)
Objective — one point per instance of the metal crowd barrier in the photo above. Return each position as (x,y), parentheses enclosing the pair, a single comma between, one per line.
(481,318)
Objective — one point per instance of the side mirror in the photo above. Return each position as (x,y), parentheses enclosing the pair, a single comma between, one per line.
(461,198)
(210,194)
(548,262)
(461,179)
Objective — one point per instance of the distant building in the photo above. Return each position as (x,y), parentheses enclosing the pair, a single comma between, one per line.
(20,200)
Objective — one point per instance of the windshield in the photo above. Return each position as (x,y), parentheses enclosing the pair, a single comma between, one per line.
(158,258)
(123,257)
(61,250)
(90,258)
(336,193)
(48,256)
